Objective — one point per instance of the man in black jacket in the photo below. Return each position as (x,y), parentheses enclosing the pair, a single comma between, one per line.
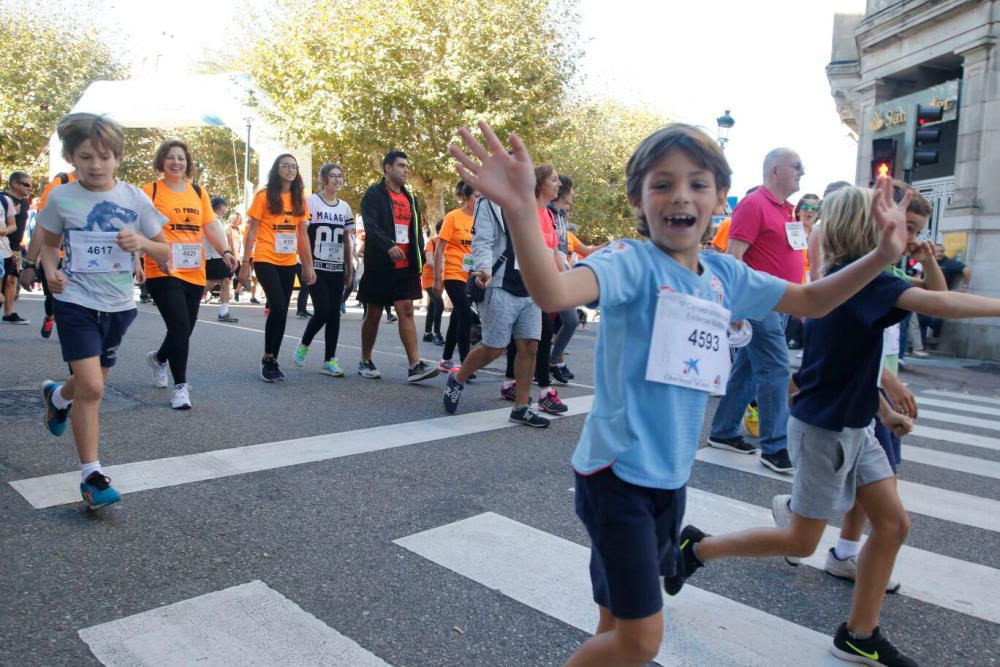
(394,258)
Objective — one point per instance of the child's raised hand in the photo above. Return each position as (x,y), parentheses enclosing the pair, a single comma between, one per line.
(891,217)
(507,180)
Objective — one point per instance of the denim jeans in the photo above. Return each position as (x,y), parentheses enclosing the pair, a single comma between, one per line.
(760,370)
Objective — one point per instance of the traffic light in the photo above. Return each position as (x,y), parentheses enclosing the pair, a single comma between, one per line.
(924,152)
(883,158)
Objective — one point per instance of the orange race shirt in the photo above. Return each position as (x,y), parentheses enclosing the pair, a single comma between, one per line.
(403,217)
(457,232)
(54,183)
(427,275)
(277,233)
(187,214)
(721,239)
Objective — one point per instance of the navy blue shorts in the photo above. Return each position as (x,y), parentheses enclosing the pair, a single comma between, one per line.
(890,442)
(634,533)
(85,332)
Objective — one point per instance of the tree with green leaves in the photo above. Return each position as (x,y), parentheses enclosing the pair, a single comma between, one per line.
(356,78)
(47,60)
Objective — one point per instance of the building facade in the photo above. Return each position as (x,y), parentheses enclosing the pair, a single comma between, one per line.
(902,56)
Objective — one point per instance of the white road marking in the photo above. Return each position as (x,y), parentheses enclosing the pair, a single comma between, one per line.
(945,435)
(62,488)
(962,397)
(551,575)
(951,418)
(966,406)
(930,501)
(249,624)
(967,464)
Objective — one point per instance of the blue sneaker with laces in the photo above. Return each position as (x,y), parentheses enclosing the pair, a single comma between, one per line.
(97,491)
(55,419)
(300,355)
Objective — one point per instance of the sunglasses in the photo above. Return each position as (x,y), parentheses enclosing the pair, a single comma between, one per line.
(809,207)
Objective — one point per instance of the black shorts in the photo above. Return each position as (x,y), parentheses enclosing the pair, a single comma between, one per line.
(10,267)
(216,269)
(384,287)
(85,332)
(634,533)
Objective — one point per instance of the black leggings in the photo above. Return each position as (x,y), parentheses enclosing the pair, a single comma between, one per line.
(460,322)
(40,272)
(304,291)
(435,309)
(178,303)
(541,359)
(277,282)
(326,293)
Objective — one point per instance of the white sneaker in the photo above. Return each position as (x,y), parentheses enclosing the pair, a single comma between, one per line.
(181,400)
(848,569)
(159,371)
(782,519)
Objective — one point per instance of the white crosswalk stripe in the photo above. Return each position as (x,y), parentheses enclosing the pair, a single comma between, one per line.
(945,435)
(961,396)
(964,406)
(961,420)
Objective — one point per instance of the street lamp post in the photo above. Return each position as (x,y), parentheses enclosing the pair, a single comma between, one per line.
(725,123)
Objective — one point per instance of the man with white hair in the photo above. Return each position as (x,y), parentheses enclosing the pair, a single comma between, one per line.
(765,236)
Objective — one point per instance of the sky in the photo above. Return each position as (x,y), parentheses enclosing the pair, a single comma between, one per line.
(689,61)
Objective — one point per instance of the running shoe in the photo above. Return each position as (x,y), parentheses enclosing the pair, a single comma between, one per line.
(422,371)
(735,444)
(848,569)
(97,491)
(438,340)
(428,337)
(509,392)
(160,378)
(390,318)
(366,369)
(47,324)
(557,375)
(528,416)
(549,402)
(254,299)
(300,355)
(452,394)
(915,353)
(55,419)
(447,366)
(181,400)
(303,314)
(269,370)
(14,318)
(875,650)
(751,421)
(782,513)
(331,367)
(566,371)
(689,564)
(778,462)
(228,317)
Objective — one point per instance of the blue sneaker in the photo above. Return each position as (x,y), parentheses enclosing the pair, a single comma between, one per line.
(98,492)
(300,355)
(55,419)
(452,393)
(331,367)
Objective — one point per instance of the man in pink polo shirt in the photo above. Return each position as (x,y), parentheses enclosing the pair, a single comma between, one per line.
(764,235)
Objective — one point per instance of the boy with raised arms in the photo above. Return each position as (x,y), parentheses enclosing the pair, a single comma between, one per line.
(101,223)
(661,352)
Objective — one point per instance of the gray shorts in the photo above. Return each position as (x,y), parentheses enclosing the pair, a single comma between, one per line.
(830,466)
(506,316)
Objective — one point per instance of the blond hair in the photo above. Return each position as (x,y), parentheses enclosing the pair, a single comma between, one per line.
(848,230)
(102,132)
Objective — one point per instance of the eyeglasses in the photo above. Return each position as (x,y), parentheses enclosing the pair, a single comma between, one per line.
(336,177)
(809,207)
(288,165)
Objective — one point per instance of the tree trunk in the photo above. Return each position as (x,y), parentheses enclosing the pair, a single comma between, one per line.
(435,205)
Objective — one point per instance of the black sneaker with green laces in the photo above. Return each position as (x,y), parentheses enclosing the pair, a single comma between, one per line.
(690,536)
(874,650)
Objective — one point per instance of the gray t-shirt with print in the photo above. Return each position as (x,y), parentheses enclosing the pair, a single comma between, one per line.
(98,274)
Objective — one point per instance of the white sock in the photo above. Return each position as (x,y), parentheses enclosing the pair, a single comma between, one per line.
(545,392)
(846,548)
(86,469)
(507,384)
(414,365)
(223,309)
(58,400)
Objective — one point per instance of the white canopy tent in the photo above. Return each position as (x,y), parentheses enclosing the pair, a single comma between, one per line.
(171,101)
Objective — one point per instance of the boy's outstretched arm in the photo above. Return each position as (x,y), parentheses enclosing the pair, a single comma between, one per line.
(948,305)
(819,298)
(509,180)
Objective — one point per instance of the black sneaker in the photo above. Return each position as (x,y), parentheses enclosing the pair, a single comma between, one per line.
(390,318)
(303,314)
(14,318)
(558,376)
(526,415)
(550,403)
(438,340)
(422,371)
(690,536)
(228,318)
(778,462)
(735,444)
(567,372)
(428,337)
(876,650)
(269,371)
(452,394)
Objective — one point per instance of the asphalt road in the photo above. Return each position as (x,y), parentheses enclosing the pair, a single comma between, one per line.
(326,537)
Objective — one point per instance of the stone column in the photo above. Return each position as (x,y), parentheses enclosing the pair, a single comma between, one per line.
(863,99)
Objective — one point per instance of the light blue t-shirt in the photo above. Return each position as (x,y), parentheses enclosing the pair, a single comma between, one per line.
(648,431)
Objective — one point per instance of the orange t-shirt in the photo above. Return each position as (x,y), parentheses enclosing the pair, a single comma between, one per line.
(402,215)
(187,214)
(457,233)
(48,188)
(427,275)
(274,245)
(721,238)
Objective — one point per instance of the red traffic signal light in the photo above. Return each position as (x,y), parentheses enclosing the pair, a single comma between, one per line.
(926,135)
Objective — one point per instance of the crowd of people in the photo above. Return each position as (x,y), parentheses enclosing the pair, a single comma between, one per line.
(678,324)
